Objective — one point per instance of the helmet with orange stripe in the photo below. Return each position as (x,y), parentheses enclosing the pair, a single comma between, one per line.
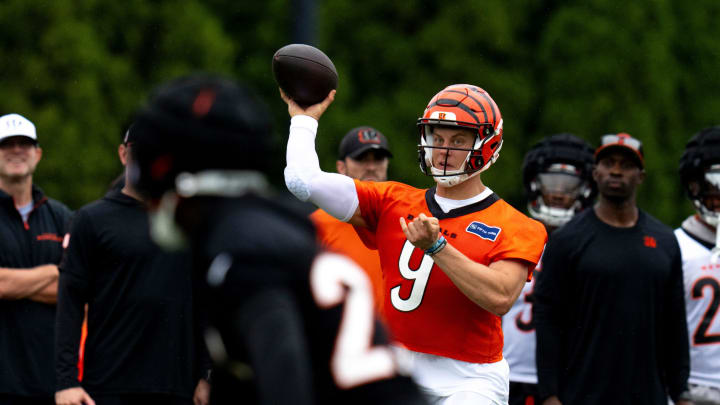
(465,106)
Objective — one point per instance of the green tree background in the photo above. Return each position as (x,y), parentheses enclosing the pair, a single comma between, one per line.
(79,69)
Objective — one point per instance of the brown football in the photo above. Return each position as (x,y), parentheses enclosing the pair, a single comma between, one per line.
(304,73)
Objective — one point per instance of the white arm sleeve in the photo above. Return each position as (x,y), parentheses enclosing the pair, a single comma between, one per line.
(333,192)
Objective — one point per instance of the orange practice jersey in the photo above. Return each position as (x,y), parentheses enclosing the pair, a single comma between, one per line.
(425,311)
(341,237)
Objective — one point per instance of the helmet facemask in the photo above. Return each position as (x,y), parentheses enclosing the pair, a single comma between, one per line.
(700,176)
(560,190)
(474,162)
(705,195)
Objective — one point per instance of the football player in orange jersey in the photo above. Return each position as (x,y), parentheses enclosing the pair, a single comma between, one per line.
(455,257)
(363,154)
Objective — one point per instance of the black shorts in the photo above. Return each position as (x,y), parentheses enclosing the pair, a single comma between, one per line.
(523,394)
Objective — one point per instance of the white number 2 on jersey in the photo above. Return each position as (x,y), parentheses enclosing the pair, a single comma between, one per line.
(420,275)
(334,279)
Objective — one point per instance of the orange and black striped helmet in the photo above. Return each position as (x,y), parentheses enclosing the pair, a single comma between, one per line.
(468,106)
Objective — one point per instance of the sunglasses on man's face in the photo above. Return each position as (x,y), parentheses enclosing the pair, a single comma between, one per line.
(21,141)
(620,139)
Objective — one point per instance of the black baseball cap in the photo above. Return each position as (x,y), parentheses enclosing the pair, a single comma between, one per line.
(362,139)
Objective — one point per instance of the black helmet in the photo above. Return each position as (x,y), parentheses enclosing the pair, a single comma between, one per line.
(700,170)
(194,124)
(559,156)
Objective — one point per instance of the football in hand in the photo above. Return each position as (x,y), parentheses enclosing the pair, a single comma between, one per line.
(304,73)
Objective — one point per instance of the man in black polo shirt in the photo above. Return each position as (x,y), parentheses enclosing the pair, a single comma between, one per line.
(609,308)
(141,346)
(32,227)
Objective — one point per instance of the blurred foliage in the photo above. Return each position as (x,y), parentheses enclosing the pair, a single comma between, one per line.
(79,68)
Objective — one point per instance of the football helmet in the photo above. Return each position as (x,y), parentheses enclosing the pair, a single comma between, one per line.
(700,173)
(465,106)
(557,175)
(198,135)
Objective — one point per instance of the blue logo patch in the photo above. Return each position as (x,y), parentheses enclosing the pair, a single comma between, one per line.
(484,231)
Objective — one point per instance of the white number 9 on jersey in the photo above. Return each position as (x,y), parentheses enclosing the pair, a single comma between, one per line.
(419,277)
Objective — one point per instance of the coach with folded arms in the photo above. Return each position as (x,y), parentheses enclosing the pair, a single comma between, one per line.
(32,227)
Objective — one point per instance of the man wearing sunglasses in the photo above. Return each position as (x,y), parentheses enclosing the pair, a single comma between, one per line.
(698,239)
(609,308)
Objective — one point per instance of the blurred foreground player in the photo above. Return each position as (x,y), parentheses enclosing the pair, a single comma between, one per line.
(697,236)
(557,174)
(302,319)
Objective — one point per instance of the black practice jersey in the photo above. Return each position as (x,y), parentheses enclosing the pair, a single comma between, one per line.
(27,328)
(140,318)
(302,319)
(610,314)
